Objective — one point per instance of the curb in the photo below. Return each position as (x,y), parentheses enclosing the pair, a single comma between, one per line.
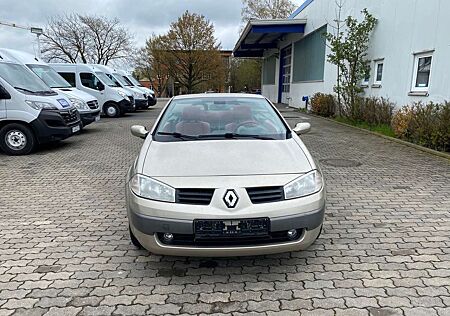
(399,141)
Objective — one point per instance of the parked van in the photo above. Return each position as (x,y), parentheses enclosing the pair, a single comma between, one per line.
(114,101)
(30,112)
(86,104)
(133,81)
(140,98)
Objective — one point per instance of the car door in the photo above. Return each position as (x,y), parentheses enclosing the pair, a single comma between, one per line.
(92,85)
(3,97)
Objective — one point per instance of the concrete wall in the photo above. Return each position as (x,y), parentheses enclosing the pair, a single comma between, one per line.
(405,27)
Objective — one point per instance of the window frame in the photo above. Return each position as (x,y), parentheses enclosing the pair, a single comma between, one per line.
(417,58)
(378,62)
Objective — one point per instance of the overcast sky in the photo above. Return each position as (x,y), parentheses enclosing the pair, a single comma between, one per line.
(142,17)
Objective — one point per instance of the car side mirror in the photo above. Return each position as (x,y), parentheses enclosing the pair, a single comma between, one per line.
(302,128)
(4,95)
(139,131)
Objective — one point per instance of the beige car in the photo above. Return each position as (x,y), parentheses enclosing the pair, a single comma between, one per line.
(223,175)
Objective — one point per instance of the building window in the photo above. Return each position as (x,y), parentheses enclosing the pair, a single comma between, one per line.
(379,66)
(422,72)
(365,80)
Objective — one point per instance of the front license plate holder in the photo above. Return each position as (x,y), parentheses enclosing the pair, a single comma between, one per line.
(76,129)
(231,228)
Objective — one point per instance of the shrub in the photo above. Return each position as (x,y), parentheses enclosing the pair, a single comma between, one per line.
(323,104)
(376,111)
(424,124)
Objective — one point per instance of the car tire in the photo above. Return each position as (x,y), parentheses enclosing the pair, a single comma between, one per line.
(111,110)
(17,139)
(134,240)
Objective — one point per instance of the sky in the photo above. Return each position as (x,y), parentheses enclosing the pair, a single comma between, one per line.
(141,17)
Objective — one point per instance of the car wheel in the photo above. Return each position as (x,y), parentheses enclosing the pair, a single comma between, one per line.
(134,240)
(111,110)
(17,139)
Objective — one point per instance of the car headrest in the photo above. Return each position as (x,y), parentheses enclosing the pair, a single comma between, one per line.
(192,113)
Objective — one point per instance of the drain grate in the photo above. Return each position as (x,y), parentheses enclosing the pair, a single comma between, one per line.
(345,163)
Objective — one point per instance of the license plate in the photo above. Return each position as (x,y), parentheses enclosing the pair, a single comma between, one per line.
(76,129)
(97,118)
(254,227)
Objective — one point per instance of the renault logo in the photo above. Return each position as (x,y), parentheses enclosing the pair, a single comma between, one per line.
(230,198)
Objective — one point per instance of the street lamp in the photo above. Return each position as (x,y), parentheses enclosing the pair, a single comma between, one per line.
(38,31)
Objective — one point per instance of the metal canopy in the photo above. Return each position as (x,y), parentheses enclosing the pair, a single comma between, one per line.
(260,35)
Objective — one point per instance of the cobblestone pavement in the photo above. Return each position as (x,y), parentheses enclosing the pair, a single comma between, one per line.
(65,250)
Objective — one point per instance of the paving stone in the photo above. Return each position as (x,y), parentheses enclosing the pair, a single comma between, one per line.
(384,249)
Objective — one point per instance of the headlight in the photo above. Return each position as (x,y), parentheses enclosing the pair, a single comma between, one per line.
(79,104)
(151,189)
(307,184)
(123,95)
(38,105)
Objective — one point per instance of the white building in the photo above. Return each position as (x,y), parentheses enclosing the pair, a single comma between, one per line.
(409,50)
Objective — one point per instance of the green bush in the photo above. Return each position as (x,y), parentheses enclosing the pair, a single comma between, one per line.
(323,104)
(424,124)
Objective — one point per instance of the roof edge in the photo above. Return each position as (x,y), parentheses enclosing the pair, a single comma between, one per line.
(300,9)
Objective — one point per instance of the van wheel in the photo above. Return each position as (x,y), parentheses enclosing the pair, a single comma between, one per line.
(111,110)
(134,240)
(17,139)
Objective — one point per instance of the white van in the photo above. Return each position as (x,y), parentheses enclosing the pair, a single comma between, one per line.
(114,101)
(86,104)
(140,98)
(30,112)
(133,81)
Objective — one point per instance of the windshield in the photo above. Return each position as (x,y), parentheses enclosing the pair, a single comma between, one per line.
(105,79)
(49,76)
(134,81)
(122,80)
(220,118)
(21,78)
(127,80)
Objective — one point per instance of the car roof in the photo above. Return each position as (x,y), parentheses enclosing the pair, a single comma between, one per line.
(218,95)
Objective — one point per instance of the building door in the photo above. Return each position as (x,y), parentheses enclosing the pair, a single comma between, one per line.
(285,75)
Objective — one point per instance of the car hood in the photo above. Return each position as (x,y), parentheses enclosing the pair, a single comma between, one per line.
(224,158)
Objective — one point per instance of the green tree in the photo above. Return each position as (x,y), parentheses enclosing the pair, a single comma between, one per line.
(192,52)
(245,73)
(348,52)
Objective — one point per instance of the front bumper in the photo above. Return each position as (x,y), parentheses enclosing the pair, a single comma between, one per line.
(52,125)
(126,106)
(152,101)
(89,117)
(141,104)
(148,222)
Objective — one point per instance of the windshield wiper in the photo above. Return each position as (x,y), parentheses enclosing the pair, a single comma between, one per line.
(177,135)
(236,135)
(26,90)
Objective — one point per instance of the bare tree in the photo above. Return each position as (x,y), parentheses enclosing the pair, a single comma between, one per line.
(266,9)
(87,39)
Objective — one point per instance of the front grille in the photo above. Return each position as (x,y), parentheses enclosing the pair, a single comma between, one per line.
(194,196)
(70,116)
(265,194)
(271,238)
(93,104)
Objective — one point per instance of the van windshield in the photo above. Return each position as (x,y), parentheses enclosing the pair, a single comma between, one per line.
(49,76)
(23,80)
(127,80)
(122,80)
(134,81)
(105,79)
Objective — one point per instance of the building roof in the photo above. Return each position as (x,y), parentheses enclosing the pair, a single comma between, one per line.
(259,35)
